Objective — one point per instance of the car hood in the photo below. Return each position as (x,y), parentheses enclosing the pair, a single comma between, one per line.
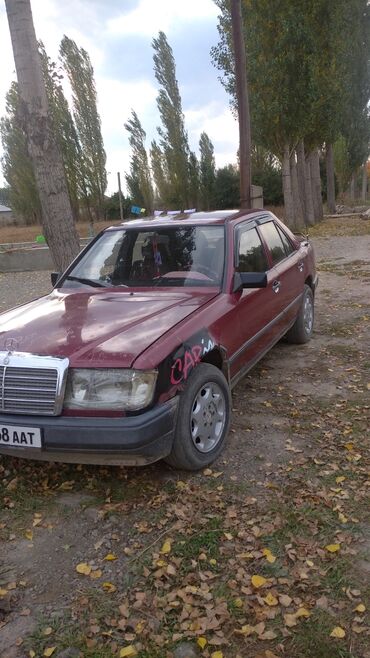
(97,328)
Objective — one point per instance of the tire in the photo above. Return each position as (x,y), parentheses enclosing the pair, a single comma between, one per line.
(203,419)
(302,330)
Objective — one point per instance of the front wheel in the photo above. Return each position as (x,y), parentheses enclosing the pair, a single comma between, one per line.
(302,329)
(203,419)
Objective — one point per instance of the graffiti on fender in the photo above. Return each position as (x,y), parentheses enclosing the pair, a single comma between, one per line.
(183,365)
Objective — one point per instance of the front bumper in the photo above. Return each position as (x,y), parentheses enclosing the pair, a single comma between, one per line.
(131,440)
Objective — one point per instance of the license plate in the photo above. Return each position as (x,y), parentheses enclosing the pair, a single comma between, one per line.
(21,437)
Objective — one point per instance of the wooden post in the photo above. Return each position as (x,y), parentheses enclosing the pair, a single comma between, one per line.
(120,195)
(243,105)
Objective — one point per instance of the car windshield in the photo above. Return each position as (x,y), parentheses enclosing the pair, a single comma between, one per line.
(145,257)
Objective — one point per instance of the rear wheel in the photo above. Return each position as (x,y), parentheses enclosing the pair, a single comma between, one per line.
(302,329)
(203,419)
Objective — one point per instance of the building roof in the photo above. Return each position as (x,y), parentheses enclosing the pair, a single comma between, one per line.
(5,208)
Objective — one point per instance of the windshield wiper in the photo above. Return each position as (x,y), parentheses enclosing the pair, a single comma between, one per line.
(87,282)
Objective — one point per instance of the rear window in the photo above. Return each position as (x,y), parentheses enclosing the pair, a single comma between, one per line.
(273,240)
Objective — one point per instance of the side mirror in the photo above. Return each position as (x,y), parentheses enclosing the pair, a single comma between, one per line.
(54,278)
(249,280)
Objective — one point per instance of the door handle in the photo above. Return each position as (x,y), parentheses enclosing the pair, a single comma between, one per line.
(300,266)
(276,286)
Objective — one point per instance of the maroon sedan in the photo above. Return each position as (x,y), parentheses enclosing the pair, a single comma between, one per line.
(132,356)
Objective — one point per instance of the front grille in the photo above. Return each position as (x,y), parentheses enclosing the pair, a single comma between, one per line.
(31,384)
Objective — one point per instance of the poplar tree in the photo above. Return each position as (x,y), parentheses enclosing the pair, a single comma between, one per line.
(16,163)
(77,64)
(173,136)
(65,130)
(207,171)
(160,177)
(139,181)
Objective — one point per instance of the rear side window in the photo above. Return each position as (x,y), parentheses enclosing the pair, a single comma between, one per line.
(252,257)
(273,240)
(286,242)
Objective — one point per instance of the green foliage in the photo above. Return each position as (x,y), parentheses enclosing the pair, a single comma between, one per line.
(227,193)
(65,130)
(139,180)
(77,64)
(5,196)
(207,171)
(267,173)
(194,181)
(112,208)
(173,167)
(17,167)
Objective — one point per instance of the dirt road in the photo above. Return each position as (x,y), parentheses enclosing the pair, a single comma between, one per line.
(266,554)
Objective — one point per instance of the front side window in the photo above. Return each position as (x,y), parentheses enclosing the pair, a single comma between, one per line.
(163,256)
(273,240)
(252,257)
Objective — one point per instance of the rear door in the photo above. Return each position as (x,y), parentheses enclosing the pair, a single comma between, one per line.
(287,274)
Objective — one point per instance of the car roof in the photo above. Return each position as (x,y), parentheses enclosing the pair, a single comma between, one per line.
(190,218)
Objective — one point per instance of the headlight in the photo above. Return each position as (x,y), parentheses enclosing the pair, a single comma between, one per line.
(115,388)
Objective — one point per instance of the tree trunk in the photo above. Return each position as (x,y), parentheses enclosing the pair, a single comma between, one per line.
(57,216)
(330,181)
(298,211)
(305,184)
(364,182)
(287,187)
(314,163)
(352,188)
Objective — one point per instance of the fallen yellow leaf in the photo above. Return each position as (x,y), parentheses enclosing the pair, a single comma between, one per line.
(3,592)
(332,548)
(217,654)
(238,603)
(342,518)
(290,620)
(83,568)
(110,557)
(213,562)
(28,535)
(245,630)
(49,651)
(201,642)
(269,556)
(303,612)
(207,471)
(338,632)
(96,574)
(349,446)
(166,548)
(270,599)
(228,536)
(360,608)
(109,587)
(340,479)
(128,651)
(47,631)
(258,581)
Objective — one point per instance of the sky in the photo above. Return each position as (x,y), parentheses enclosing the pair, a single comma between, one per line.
(117,34)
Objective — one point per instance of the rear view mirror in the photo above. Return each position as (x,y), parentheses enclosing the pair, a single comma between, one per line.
(249,280)
(54,278)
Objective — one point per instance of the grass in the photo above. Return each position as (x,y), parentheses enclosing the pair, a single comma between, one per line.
(205,541)
(312,638)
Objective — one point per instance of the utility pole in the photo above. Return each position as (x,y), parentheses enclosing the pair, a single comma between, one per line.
(120,195)
(243,105)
